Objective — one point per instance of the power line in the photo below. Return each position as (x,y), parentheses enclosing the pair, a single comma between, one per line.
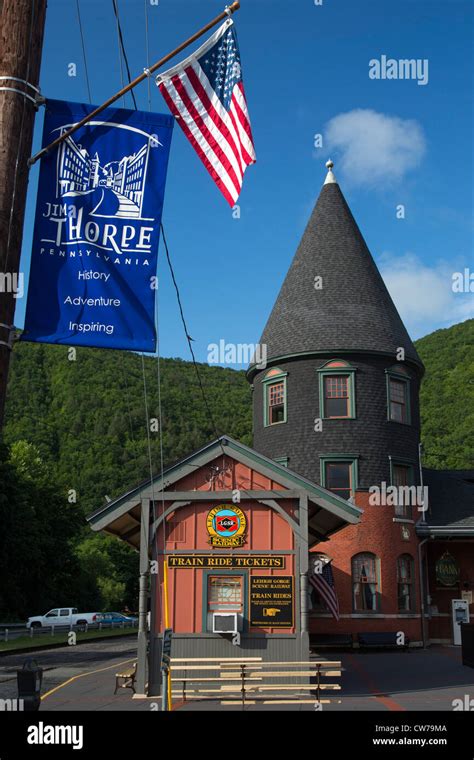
(119,27)
(186,332)
(83,51)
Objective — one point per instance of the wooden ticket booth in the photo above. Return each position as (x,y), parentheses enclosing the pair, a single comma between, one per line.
(235,529)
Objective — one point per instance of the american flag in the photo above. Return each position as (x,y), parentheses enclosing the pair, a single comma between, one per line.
(206,94)
(321,577)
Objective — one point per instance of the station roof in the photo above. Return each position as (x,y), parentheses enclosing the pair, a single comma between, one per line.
(327,512)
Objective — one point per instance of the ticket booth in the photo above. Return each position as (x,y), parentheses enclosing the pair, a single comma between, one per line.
(224,538)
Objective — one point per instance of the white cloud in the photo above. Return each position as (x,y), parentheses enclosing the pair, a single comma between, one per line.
(373,147)
(423,294)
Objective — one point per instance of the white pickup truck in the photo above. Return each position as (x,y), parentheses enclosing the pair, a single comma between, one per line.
(62,616)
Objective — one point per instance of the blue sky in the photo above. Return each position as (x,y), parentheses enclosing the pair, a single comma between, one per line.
(306,71)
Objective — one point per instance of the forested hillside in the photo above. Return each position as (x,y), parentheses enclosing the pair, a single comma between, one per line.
(86,425)
(88,418)
(447,397)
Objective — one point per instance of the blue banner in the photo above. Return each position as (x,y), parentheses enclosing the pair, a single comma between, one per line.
(97,227)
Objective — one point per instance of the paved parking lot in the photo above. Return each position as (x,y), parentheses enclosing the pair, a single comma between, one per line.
(83,678)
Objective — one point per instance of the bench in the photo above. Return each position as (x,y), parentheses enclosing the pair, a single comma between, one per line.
(330,640)
(246,681)
(127,677)
(381,640)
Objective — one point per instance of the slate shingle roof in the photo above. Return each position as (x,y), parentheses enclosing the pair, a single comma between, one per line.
(451,497)
(353,310)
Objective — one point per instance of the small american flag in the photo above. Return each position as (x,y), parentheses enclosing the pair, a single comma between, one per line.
(206,94)
(321,577)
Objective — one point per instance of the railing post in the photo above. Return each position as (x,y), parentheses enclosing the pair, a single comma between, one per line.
(6,635)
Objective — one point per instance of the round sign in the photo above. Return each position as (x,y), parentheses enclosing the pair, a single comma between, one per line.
(226,526)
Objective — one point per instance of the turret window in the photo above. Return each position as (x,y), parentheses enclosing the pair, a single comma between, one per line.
(338,478)
(336,396)
(276,403)
(274,394)
(339,474)
(398,397)
(337,390)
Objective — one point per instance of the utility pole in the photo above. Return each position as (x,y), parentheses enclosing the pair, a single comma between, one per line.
(21,42)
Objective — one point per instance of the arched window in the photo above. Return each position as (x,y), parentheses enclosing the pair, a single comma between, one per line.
(365,582)
(406,583)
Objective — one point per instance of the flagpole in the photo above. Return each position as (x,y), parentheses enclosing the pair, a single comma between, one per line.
(225,14)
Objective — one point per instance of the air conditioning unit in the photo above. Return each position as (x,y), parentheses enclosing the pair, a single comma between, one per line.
(224,622)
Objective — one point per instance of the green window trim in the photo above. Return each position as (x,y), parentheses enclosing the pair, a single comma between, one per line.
(282,460)
(205,584)
(266,382)
(352,459)
(344,371)
(391,374)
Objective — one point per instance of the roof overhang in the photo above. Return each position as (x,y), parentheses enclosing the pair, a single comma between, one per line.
(445,531)
(327,513)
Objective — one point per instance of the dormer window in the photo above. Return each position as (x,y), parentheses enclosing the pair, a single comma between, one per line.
(337,390)
(274,396)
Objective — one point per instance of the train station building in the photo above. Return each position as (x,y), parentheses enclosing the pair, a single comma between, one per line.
(333,485)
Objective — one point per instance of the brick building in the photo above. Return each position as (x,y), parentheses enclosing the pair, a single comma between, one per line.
(338,402)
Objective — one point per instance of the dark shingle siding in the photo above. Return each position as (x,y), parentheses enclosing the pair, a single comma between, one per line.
(370,435)
(353,310)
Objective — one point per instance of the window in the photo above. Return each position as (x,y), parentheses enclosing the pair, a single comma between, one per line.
(338,478)
(398,400)
(339,474)
(406,583)
(276,403)
(224,593)
(336,396)
(337,390)
(364,582)
(402,476)
(274,390)
(398,396)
